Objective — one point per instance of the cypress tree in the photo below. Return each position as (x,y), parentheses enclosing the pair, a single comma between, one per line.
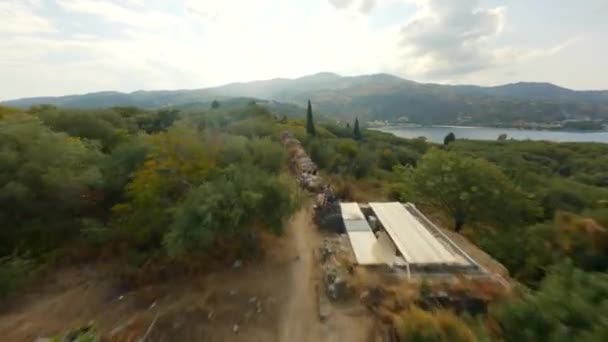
(310,125)
(357,131)
(450,138)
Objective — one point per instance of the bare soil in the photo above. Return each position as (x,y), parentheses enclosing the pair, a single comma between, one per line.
(273,299)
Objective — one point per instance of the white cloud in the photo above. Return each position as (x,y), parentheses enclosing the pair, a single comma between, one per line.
(449,37)
(446,40)
(20,17)
(511,55)
(339,4)
(367,6)
(139,18)
(363,6)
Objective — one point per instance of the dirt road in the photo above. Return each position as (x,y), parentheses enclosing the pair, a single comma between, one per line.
(301,317)
(301,321)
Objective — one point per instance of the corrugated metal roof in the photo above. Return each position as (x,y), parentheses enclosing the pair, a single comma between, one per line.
(360,234)
(414,241)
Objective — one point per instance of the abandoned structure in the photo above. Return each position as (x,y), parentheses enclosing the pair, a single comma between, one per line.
(399,235)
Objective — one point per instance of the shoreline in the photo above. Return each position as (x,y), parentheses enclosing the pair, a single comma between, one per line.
(415,126)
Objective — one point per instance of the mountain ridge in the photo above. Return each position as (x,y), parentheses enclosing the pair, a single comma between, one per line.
(378,96)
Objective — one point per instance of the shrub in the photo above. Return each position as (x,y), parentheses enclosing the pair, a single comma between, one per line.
(571,305)
(14,273)
(229,207)
(440,326)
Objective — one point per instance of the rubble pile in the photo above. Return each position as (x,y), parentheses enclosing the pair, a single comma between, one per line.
(336,269)
(301,164)
(327,208)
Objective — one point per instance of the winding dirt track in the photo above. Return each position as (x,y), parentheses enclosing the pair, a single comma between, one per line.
(300,319)
(207,307)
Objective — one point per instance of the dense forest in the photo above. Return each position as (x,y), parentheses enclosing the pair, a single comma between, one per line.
(137,185)
(174,187)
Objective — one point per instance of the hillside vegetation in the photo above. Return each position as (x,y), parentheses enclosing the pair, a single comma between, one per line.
(139,185)
(540,208)
(163,191)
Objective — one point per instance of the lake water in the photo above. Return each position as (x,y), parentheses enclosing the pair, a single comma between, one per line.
(437,133)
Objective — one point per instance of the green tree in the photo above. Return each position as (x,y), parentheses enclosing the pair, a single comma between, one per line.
(178,161)
(357,130)
(47,180)
(450,138)
(468,189)
(215,104)
(310,125)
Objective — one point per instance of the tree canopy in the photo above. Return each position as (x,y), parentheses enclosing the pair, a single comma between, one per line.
(469,189)
(450,138)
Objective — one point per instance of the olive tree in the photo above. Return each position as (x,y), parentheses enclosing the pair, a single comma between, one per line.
(468,189)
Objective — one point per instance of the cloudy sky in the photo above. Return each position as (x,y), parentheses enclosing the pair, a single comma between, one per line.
(56,47)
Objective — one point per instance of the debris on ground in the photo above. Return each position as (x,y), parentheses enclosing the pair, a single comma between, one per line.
(336,269)
(86,333)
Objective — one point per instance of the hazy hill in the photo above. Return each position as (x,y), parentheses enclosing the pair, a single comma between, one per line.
(375,97)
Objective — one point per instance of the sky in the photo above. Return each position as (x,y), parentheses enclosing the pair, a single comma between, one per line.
(58,47)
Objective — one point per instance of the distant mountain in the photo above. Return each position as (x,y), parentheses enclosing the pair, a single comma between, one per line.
(375,97)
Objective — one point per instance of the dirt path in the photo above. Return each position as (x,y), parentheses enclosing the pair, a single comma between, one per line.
(301,321)
(301,316)
(273,299)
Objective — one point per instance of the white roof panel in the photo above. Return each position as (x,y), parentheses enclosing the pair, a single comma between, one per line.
(413,240)
(351,211)
(363,246)
(360,234)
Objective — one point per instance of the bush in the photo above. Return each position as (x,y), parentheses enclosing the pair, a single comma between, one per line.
(571,305)
(14,273)
(267,155)
(440,326)
(229,207)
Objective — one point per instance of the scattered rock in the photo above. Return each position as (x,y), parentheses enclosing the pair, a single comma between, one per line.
(252,300)
(372,297)
(121,297)
(323,306)
(232,292)
(325,252)
(117,331)
(237,264)
(336,287)
(152,306)
(85,333)
(210,314)
(235,328)
(337,290)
